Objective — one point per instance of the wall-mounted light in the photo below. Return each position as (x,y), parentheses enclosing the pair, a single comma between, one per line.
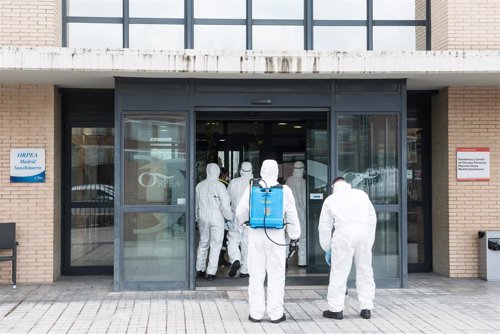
(297,126)
(282,123)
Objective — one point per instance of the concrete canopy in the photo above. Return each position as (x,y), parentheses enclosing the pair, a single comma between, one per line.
(96,68)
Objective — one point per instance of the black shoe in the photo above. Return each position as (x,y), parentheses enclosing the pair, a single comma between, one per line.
(234,268)
(200,273)
(277,321)
(334,315)
(211,277)
(304,266)
(365,314)
(252,319)
(244,275)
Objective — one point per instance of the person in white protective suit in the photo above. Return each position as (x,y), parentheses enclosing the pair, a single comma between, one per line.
(238,235)
(265,256)
(212,206)
(351,214)
(297,183)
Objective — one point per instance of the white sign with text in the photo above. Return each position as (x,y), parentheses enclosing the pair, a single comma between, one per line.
(27,165)
(473,164)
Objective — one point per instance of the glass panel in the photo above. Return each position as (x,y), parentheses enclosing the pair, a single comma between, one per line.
(398,38)
(155,160)
(318,187)
(92,236)
(368,155)
(416,235)
(339,9)
(95,35)
(414,171)
(155,36)
(212,37)
(220,9)
(278,37)
(399,9)
(278,9)
(92,165)
(154,247)
(340,38)
(386,262)
(157,8)
(100,8)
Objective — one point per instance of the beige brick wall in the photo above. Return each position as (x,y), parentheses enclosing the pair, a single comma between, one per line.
(465,25)
(440,172)
(31,22)
(472,119)
(28,118)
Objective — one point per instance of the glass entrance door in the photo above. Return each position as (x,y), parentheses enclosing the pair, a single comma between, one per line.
(368,157)
(154,195)
(318,188)
(89,200)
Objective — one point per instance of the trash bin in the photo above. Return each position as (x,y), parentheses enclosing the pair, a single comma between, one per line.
(489,255)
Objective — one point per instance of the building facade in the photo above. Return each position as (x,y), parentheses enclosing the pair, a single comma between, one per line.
(130,99)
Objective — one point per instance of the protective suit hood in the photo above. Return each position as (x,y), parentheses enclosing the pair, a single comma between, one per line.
(298,169)
(213,171)
(341,185)
(269,172)
(246,170)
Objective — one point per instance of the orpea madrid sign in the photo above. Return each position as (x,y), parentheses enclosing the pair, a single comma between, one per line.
(27,165)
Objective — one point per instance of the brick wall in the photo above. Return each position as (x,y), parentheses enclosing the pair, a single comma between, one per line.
(31,22)
(28,118)
(472,120)
(440,172)
(465,25)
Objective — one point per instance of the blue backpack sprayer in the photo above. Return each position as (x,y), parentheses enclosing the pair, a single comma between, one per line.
(266,210)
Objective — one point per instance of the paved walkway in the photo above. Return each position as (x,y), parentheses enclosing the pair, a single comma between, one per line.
(432,304)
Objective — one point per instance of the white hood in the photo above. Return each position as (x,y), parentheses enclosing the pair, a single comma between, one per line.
(246,170)
(298,169)
(269,172)
(213,171)
(341,185)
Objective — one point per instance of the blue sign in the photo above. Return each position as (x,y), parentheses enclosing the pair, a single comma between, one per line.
(27,165)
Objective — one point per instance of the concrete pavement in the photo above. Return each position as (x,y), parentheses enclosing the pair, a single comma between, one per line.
(432,304)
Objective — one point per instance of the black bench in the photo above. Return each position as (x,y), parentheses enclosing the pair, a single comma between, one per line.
(8,241)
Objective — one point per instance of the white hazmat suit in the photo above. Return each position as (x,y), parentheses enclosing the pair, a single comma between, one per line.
(297,183)
(265,256)
(212,206)
(352,214)
(238,234)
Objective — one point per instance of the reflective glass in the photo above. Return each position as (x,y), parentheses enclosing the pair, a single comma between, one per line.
(398,38)
(340,38)
(220,9)
(399,9)
(278,37)
(92,165)
(156,36)
(416,235)
(339,9)
(99,8)
(92,236)
(386,257)
(155,160)
(414,169)
(223,37)
(95,35)
(278,9)
(157,8)
(368,155)
(154,247)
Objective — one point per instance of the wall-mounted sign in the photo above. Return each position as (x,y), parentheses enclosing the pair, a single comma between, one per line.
(27,165)
(473,164)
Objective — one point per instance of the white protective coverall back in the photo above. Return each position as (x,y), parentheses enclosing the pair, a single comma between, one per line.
(238,234)
(352,214)
(297,183)
(212,206)
(264,256)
